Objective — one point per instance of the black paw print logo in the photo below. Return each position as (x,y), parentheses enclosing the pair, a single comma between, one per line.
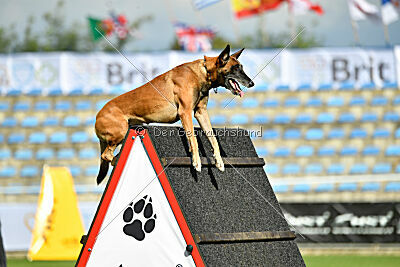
(133,216)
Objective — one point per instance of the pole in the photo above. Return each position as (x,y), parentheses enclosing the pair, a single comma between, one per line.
(386,33)
(264,34)
(355,32)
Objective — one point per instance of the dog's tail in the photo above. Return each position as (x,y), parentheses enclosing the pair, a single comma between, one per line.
(104,165)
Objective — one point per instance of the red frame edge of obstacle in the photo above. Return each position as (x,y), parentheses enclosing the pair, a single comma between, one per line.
(112,185)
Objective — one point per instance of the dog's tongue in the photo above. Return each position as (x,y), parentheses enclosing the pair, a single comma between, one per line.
(241,94)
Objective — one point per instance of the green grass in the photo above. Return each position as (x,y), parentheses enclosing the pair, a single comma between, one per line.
(352,261)
(25,262)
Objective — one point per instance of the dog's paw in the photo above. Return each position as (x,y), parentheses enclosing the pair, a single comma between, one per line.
(133,216)
(219,163)
(197,163)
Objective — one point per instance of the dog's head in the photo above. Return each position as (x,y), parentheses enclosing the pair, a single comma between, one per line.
(228,72)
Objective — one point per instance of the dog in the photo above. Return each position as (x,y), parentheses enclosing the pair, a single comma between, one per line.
(169,97)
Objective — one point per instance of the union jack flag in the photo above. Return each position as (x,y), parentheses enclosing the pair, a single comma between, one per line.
(194,39)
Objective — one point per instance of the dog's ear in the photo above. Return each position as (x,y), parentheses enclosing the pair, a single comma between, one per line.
(224,56)
(237,54)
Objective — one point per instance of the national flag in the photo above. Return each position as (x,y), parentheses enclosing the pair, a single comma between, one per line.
(200,4)
(361,10)
(390,11)
(247,8)
(192,38)
(300,7)
(96,27)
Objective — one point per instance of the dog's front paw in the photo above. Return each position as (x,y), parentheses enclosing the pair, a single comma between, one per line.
(197,163)
(219,163)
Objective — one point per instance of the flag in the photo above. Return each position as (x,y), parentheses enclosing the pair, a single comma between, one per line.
(361,10)
(200,4)
(96,24)
(300,7)
(247,8)
(120,25)
(390,11)
(192,38)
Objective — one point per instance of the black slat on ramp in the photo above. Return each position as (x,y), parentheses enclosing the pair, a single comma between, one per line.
(242,227)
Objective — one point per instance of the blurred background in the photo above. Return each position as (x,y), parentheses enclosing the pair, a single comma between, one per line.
(324,113)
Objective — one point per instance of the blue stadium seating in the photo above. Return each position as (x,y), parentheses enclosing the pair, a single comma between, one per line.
(304,151)
(282,119)
(92,120)
(37,138)
(357,101)
(292,102)
(271,103)
(336,133)
(261,88)
(65,153)
(382,168)
(314,102)
(325,117)
(369,117)
(335,168)
(368,86)
(379,101)
(359,168)
(282,188)
(16,138)
(348,151)
(371,151)
(211,103)
(392,187)
(371,187)
(88,153)
(76,91)
(301,188)
(92,170)
(22,106)
(1,138)
(393,150)
(347,86)
(30,122)
(346,118)
(291,169)
(35,92)
(83,105)
(71,121)
(23,154)
(304,87)
(42,106)
(270,134)
(314,134)
(29,171)
(335,102)
(282,88)
(51,122)
(218,119)
(228,103)
(282,152)
(397,133)
(250,103)
(397,168)
(63,105)
(395,102)
(239,119)
(55,92)
(261,151)
(303,118)
(324,188)
(79,137)
(4,106)
(326,151)
(381,133)
(5,153)
(44,154)
(96,91)
(391,116)
(9,122)
(292,134)
(349,187)
(75,170)
(14,92)
(358,133)
(260,119)
(58,138)
(325,87)
(313,168)
(8,172)
(271,168)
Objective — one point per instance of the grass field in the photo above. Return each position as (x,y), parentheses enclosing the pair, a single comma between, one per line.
(311,261)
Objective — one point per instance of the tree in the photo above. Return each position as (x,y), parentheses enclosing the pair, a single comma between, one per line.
(7,39)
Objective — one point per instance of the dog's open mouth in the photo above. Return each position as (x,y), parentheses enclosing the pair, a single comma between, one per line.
(235,87)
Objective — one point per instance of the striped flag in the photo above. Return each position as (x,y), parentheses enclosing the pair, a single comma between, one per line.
(200,4)
(390,11)
(361,10)
(193,39)
(247,8)
(301,7)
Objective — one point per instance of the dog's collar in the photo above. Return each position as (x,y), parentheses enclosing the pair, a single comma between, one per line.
(208,78)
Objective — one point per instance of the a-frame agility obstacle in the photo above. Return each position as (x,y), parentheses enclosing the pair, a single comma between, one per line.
(158,211)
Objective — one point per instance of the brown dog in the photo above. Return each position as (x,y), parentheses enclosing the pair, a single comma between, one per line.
(169,97)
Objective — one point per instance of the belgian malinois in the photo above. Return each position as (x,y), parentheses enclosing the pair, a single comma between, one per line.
(169,97)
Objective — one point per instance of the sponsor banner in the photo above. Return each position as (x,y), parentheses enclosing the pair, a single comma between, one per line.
(345,222)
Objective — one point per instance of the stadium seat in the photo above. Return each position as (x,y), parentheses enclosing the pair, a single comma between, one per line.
(228,102)
(292,134)
(397,133)
(30,122)
(76,91)
(51,122)
(313,168)
(239,119)
(303,118)
(83,105)
(381,133)
(16,138)
(23,154)
(359,168)
(325,87)
(368,86)
(271,103)
(92,120)
(92,170)
(346,118)
(35,92)
(370,187)
(304,87)
(71,121)
(348,151)
(369,117)
(301,188)
(270,134)
(393,150)
(5,153)
(282,152)
(55,92)
(358,133)
(292,102)
(218,119)
(282,88)
(271,168)
(304,151)
(262,151)
(335,102)
(4,105)
(58,138)
(314,102)
(391,116)
(88,153)
(75,170)
(211,103)
(250,103)
(1,138)
(379,101)
(32,189)
(261,88)
(314,134)
(392,187)
(324,188)
(371,151)
(346,86)
(9,122)
(336,133)
(14,92)
(349,187)
(79,137)
(37,138)
(395,102)
(44,154)
(325,117)
(65,153)
(335,168)
(8,172)
(63,105)
(291,169)
(357,101)
(282,119)
(260,119)
(97,91)
(326,151)
(382,168)
(29,171)
(22,106)
(42,106)
(281,188)
(397,168)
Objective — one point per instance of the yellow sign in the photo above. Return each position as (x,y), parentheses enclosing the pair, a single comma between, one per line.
(58,223)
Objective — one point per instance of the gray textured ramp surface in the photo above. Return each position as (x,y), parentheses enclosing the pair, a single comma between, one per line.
(223,202)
